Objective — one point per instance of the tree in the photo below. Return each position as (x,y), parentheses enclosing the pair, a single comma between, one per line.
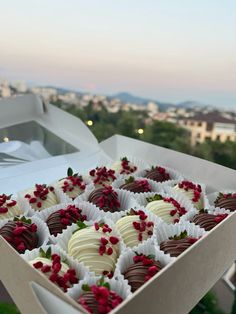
(207,305)
(221,153)
(168,135)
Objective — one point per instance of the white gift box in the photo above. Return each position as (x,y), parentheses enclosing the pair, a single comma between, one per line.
(193,273)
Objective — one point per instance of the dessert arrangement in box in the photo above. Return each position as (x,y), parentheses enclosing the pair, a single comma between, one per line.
(101,235)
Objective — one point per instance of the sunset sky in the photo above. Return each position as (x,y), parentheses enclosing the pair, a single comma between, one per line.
(168,50)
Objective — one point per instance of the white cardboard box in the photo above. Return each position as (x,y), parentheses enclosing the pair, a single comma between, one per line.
(174,290)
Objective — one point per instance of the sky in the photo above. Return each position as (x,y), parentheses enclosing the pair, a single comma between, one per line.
(167,50)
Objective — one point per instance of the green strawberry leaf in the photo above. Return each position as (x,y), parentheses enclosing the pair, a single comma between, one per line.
(156,197)
(42,253)
(129,180)
(182,235)
(49,253)
(81,225)
(85,287)
(69,172)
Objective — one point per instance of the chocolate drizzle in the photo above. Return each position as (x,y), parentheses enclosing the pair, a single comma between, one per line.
(205,221)
(176,247)
(136,274)
(62,218)
(105,198)
(28,238)
(157,174)
(90,302)
(137,186)
(227,201)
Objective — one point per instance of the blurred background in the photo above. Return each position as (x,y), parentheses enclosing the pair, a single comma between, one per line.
(161,71)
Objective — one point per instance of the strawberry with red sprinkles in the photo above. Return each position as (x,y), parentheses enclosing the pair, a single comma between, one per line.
(102,176)
(192,191)
(166,208)
(41,197)
(226,201)
(136,185)
(100,243)
(124,166)
(62,218)
(9,207)
(55,269)
(157,174)
(135,227)
(106,198)
(21,234)
(99,298)
(73,185)
(143,268)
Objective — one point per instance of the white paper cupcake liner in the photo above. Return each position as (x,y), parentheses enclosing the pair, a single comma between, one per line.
(42,229)
(126,202)
(139,163)
(119,286)
(150,217)
(80,269)
(63,239)
(63,196)
(156,187)
(126,258)
(175,176)
(179,197)
(87,209)
(212,210)
(164,232)
(213,196)
(206,203)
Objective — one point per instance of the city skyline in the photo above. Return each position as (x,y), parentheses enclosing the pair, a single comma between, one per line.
(155,49)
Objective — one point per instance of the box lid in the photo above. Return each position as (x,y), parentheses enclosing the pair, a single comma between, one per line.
(36,137)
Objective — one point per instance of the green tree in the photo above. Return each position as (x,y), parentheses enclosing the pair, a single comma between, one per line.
(221,153)
(207,305)
(168,135)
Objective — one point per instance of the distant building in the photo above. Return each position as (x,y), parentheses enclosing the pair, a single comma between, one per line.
(152,107)
(20,87)
(45,92)
(210,126)
(161,116)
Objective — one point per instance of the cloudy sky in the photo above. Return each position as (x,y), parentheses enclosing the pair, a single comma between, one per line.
(165,49)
